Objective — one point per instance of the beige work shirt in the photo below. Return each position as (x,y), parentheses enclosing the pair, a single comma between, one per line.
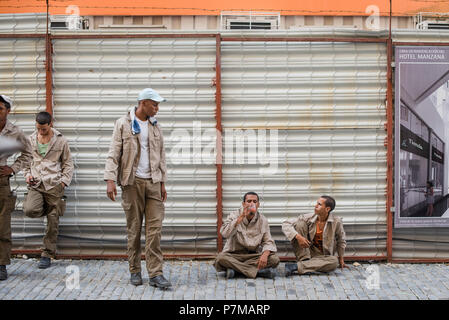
(253,236)
(55,167)
(14,132)
(333,233)
(124,153)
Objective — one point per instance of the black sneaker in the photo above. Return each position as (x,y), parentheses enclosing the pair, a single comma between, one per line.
(290,268)
(160,282)
(3,273)
(266,273)
(44,263)
(136,279)
(230,273)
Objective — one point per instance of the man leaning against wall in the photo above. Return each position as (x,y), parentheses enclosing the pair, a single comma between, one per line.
(47,176)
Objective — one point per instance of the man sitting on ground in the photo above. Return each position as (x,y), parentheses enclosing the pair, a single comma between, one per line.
(315,238)
(249,249)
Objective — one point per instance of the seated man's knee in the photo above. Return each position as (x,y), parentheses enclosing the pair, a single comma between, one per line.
(333,263)
(220,257)
(31,211)
(273,260)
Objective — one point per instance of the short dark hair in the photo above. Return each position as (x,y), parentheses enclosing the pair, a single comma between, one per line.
(250,193)
(7,105)
(43,117)
(329,202)
(430,183)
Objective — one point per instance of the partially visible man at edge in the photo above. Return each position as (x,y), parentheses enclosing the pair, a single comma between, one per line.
(7,198)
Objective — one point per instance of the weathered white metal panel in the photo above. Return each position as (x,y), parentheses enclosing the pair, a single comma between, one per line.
(421,243)
(23,23)
(420,35)
(22,69)
(326,102)
(96,82)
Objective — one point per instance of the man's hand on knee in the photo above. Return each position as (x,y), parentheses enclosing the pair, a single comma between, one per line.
(263,260)
(303,242)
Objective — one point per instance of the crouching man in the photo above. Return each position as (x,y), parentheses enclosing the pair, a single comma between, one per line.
(249,248)
(315,238)
(49,173)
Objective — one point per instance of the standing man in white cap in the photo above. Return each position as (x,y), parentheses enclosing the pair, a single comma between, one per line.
(7,198)
(136,162)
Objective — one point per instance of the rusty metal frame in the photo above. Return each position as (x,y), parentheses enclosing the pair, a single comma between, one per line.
(219,173)
(390,223)
(389,140)
(435,44)
(219,143)
(22,35)
(48,66)
(35,252)
(49,76)
(420,260)
(133,36)
(389,145)
(305,39)
(349,258)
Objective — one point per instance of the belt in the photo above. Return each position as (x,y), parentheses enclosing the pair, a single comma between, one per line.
(4,181)
(151,179)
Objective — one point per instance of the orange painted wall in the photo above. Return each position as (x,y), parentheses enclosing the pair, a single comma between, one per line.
(214,7)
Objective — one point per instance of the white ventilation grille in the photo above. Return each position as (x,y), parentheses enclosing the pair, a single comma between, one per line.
(249,20)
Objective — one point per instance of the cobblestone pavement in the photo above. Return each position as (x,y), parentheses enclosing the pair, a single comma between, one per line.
(198,280)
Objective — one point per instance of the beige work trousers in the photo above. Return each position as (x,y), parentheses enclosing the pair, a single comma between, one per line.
(311,259)
(143,198)
(7,205)
(50,203)
(245,263)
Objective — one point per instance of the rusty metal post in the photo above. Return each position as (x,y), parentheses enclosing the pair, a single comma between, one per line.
(219,143)
(48,76)
(389,143)
(48,70)
(305,39)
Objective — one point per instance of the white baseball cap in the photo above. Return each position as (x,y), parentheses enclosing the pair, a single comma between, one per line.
(4,98)
(150,94)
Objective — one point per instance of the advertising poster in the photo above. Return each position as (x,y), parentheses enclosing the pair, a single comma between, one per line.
(421,136)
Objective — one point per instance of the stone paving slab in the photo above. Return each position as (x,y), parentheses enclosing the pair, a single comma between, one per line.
(198,280)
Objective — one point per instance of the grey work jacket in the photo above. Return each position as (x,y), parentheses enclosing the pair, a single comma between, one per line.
(124,153)
(253,236)
(14,132)
(55,167)
(333,234)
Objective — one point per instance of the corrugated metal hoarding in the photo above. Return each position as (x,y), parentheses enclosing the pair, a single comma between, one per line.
(325,102)
(322,104)
(421,243)
(95,83)
(22,70)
